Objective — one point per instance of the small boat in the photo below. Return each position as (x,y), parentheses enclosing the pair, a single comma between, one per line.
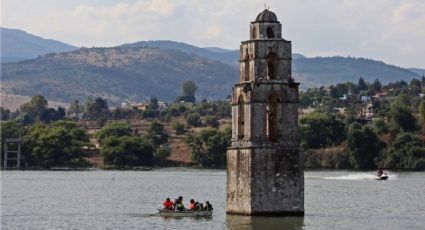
(189,213)
(383,176)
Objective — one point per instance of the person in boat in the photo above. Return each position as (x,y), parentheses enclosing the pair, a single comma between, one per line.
(380,172)
(208,206)
(168,204)
(179,204)
(192,205)
(200,206)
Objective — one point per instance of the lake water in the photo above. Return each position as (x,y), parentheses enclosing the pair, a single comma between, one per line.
(127,200)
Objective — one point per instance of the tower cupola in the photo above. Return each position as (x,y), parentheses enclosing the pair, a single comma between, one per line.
(266,26)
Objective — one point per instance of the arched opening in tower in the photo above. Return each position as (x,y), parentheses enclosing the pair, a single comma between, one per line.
(271,65)
(241,117)
(273,114)
(270,32)
(246,74)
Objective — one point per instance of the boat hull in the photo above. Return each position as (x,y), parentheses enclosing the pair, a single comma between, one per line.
(382,177)
(171,213)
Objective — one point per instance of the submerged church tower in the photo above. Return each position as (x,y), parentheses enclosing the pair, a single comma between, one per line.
(265,174)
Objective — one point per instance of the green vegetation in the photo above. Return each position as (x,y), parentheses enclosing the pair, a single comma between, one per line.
(209,146)
(407,152)
(121,148)
(364,146)
(36,110)
(60,143)
(97,110)
(378,126)
(188,92)
(125,151)
(113,129)
(319,130)
(364,125)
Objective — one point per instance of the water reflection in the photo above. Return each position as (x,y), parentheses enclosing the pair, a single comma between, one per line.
(235,222)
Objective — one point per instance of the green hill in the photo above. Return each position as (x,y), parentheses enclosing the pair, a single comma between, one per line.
(117,74)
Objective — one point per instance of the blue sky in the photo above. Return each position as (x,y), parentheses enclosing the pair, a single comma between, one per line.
(389,30)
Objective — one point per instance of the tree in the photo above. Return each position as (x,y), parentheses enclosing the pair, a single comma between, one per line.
(127,151)
(188,92)
(32,110)
(376,85)
(161,154)
(193,119)
(178,127)
(338,91)
(4,114)
(153,105)
(364,146)
(421,110)
(211,121)
(113,129)
(401,115)
(60,143)
(75,108)
(361,85)
(189,88)
(156,134)
(320,130)
(406,152)
(36,110)
(209,146)
(51,114)
(97,110)
(35,106)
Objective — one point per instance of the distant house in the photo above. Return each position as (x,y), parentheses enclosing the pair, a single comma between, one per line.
(162,105)
(422,95)
(141,106)
(365,98)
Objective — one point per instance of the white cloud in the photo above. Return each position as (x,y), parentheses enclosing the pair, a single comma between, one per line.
(385,30)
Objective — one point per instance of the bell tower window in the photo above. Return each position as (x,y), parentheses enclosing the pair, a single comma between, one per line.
(270,33)
(272,118)
(246,63)
(241,118)
(271,65)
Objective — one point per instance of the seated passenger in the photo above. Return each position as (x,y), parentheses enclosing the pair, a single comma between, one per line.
(192,205)
(380,172)
(168,204)
(179,205)
(208,206)
(198,206)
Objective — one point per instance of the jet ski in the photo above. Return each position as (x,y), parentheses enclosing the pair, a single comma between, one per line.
(381,176)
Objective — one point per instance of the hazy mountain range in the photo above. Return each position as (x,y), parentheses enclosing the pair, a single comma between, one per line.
(136,71)
(18,45)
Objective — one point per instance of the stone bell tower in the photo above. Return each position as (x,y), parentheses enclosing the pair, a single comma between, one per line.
(265,174)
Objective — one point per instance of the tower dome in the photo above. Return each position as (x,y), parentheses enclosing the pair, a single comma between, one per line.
(266,16)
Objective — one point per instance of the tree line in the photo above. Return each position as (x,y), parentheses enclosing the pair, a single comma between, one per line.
(393,138)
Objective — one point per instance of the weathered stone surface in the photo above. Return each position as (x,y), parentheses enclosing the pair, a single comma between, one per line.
(265,174)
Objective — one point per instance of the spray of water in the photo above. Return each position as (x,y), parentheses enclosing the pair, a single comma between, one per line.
(354,176)
(358,176)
